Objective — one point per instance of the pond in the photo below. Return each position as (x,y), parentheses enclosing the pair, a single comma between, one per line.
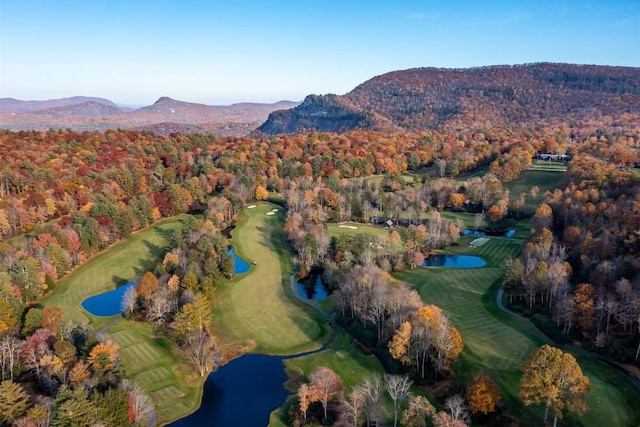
(478,233)
(454,261)
(313,288)
(107,303)
(240,265)
(242,393)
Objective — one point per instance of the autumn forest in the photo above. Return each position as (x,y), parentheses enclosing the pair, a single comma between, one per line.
(364,206)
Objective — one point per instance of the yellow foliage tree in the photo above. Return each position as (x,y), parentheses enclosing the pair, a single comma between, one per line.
(555,379)
(261,193)
(482,395)
(103,356)
(399,344)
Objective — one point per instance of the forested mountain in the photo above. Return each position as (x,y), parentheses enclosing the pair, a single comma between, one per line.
(165,116)
(436,98)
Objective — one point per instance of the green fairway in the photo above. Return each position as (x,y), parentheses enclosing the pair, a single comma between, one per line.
(498,343)
(256,311)
(112,268)
(149,362)
(544,179)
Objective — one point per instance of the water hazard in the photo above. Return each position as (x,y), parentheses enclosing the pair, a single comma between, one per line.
(240,265)
(313,288)
(107,303)
(454,261)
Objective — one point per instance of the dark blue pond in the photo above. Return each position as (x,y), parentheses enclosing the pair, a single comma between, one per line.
(478,233)
(108,303)
(242,393)
(241,266)
(313,289)
(454,261)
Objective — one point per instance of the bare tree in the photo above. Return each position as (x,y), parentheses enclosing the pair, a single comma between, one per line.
(325,384)
(128,303)
(141,403)
(373,389)
(457,408)
(8,356)
(202,352)
(160,306)
(397,387)
(355,405)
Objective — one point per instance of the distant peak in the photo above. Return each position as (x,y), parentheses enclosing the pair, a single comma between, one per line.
(163,98)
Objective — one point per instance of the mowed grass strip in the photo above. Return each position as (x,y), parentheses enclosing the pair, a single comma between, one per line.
(256,309)
(498,343)
(112,268)
(149,361)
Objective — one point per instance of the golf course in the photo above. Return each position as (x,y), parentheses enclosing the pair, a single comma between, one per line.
(256,312)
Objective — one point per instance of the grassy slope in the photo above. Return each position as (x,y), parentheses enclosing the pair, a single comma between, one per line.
(498,343)
(110,269)
(146,358)
(255,310)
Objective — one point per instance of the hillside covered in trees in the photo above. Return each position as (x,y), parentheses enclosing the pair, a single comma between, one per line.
(435,98)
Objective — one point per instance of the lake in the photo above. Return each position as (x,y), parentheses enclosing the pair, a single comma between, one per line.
(454,261)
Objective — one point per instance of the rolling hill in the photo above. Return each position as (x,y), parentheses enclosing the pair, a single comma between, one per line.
(165,116)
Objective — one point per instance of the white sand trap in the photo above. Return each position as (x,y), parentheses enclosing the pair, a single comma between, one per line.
(274,210)
(352,227)
(251,206)
(271,213)
(479,242)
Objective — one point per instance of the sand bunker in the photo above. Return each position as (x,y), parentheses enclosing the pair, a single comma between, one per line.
(274,210)
(251,206)
(478,242)
(352,227)
(271,213)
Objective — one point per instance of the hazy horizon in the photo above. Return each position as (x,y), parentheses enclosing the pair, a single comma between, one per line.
(221,53)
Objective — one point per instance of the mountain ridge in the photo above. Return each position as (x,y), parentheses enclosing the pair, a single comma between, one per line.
(430,98)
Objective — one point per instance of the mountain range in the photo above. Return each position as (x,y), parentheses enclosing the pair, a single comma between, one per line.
(405,101)
(165,116)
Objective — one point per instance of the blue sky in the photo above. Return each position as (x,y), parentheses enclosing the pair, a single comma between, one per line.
(219,52)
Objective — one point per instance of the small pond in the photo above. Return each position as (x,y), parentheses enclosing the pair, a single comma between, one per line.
(242,393)
(107,303)
(240,265)
(478,233)
(313,288)
(454,261)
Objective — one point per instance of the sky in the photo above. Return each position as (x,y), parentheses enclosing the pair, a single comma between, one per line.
(219,52)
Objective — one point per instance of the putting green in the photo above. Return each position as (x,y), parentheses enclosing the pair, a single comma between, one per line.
(256,311)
